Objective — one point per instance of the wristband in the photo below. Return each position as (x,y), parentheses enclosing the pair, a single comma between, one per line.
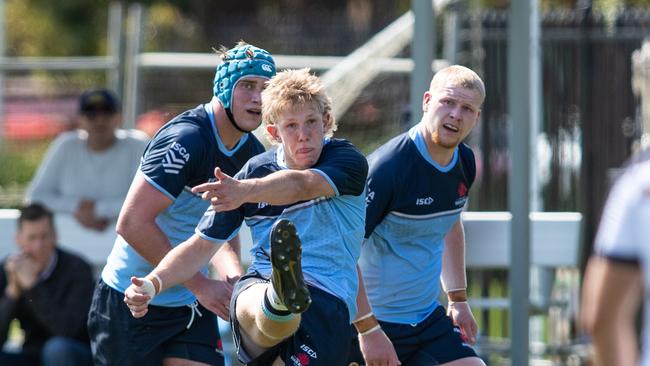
(160,283)
(363,317)
(457,289)
(457,295)
(373,329)
(450,303)
(365,323)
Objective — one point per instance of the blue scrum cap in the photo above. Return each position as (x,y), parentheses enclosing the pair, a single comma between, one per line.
(241,61)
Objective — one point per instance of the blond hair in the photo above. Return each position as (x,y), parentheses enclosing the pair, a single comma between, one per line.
(290,89)
(459,76)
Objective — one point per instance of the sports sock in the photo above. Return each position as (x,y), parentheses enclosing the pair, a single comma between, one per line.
(273,300)
(272,312)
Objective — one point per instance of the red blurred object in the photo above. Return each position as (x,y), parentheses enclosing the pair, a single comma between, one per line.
(33,126)
(150,122)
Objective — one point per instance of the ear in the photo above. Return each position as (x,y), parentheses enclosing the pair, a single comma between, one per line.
(426,100)
(273,131)
(327,121)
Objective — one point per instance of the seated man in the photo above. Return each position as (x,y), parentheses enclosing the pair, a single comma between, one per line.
(48,290)
(291,302)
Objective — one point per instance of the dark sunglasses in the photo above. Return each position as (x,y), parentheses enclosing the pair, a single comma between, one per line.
(94,113)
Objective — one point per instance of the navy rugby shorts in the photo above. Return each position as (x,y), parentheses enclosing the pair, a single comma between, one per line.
(117,338)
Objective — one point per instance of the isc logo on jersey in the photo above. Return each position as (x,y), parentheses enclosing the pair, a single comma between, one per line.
(175,158)
(424,201)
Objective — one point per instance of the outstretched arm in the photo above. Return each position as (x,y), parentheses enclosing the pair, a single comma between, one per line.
(454,282)
(279,188)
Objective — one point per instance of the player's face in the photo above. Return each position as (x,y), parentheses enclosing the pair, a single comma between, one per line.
(247,102)
(301,131)
(450,114)
(36,239)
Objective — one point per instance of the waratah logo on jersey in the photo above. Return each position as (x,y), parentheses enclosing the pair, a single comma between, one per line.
(175,158)
(462,189)
(462,195)
(300,360)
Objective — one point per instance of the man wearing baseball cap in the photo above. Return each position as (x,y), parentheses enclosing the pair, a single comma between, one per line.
(86,172)
(160,212)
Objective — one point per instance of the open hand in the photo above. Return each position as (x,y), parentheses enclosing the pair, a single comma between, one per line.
(225,194)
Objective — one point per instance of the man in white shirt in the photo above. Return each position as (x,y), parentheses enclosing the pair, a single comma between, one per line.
(87,172)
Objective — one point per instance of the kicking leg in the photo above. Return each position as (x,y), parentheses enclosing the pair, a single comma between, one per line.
(269,313)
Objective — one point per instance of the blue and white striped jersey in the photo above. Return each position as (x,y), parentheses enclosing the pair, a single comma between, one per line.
(412,204)
(183,154)
(331,229)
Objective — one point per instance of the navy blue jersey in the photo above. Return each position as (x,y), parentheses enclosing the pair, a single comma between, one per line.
(330,228)
(412,204)
(182,154)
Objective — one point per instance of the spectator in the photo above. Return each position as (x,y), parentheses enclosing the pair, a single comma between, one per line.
(49,291)
(86,173)
(617,278)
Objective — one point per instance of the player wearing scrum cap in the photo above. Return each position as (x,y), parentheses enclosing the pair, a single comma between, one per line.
(160,212)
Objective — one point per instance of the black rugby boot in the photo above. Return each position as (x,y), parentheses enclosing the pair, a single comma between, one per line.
(287,279)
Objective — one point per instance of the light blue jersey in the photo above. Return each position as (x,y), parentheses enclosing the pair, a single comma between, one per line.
(412,203)
(330,229)
(183,154)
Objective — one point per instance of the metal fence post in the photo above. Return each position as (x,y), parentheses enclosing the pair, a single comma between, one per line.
(422,50)
(131,62)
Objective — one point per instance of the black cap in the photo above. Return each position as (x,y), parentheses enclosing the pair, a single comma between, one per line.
(98,101)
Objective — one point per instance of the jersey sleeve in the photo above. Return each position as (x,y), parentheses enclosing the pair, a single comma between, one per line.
(618,233)
(172,158)
(219,227)
(345,168)
(381,183)
(468,161)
